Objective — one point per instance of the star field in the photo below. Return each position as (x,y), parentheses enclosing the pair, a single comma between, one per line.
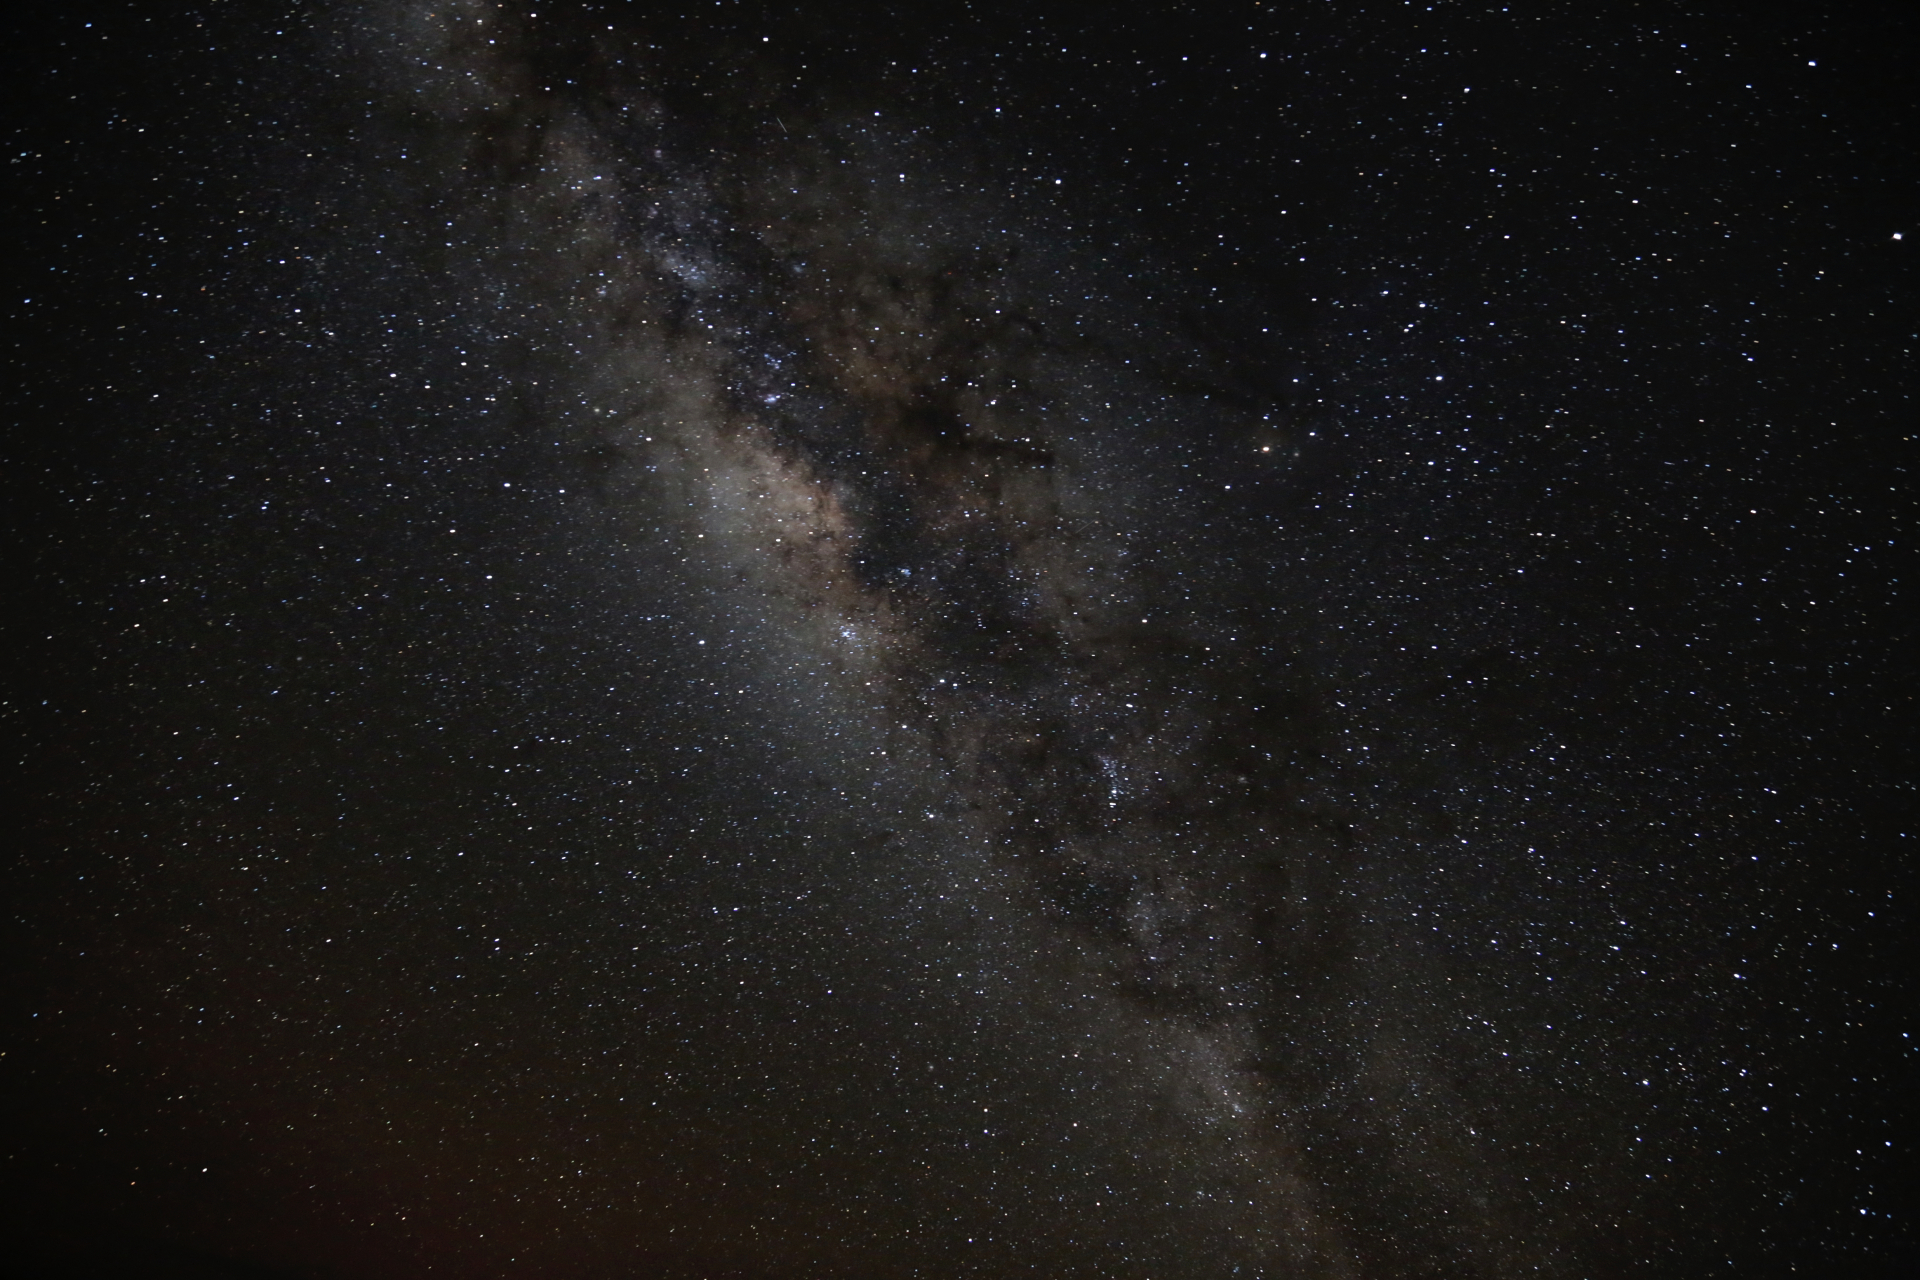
(752,642)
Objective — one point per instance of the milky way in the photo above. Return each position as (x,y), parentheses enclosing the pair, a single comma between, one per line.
(1003,512)
(745,671)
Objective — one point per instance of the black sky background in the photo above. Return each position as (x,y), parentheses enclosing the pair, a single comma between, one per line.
(258,591)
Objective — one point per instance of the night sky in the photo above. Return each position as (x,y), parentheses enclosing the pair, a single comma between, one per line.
(1246,640)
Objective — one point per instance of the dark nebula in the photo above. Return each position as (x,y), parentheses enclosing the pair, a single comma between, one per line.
(877,643)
